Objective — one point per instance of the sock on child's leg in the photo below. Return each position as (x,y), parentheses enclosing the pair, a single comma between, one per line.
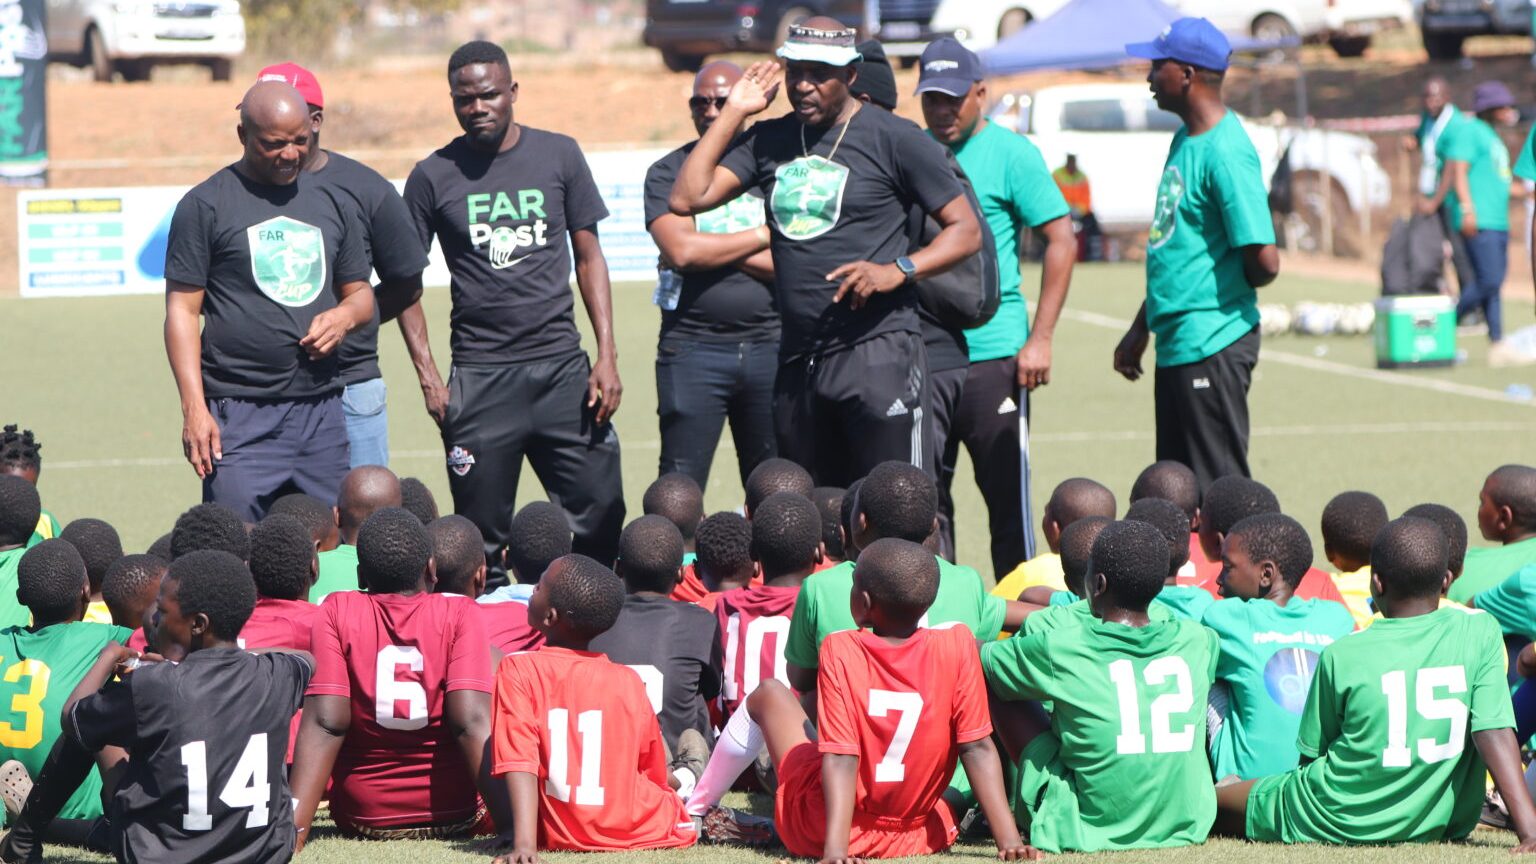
(735,750)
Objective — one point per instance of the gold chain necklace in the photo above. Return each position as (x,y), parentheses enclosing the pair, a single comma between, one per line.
(805,151)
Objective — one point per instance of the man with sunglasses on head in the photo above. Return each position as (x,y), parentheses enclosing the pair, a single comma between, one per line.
(852,387)
(719,345)
(1210,245)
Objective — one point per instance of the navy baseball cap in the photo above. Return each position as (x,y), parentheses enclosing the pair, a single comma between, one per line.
(1195,41)
(948,67)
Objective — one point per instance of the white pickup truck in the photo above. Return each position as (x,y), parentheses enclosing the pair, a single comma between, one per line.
(129,37)
(1121,138)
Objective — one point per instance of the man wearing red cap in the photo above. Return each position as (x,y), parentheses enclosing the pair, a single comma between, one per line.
(397,257)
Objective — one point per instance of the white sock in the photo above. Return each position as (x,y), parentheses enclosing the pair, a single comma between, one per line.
(735,750)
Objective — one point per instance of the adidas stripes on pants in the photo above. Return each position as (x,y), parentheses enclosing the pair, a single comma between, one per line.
(840,414)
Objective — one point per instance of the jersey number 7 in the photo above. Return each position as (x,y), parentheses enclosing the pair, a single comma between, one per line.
(908,707)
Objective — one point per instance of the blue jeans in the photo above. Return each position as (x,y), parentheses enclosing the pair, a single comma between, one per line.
(1489,251)
(700,385)
(272,448)
(367,422)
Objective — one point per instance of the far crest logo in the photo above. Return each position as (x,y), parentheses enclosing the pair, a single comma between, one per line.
(460,460)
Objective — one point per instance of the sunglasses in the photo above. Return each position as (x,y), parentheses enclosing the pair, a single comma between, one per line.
(699,103)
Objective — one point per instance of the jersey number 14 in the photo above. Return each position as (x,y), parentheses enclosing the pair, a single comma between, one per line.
(247,786)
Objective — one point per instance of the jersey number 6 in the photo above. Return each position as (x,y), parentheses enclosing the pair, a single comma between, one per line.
(389,691)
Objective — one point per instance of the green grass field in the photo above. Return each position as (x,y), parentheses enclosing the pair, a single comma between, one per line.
(90,377)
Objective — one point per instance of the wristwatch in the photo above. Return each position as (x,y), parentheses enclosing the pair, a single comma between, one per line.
(907,268)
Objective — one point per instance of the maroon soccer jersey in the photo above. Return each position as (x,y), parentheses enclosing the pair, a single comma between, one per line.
(506,624)
(279,624)
(755,624)
(396,658)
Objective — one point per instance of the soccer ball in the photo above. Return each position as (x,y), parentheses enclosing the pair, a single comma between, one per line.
(1274,319)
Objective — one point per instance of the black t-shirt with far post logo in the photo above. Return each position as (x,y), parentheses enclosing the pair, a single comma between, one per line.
(724,304)
(846,201)
(502,220)
(268,259)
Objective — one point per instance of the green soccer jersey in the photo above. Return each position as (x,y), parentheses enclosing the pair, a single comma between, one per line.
(1075,612)
(38,671)
(1487,566)
(1124,764)
(821,608)
(1269,653)
(1388,731)
(1211,203)
(338,572)
(12,613)
(1512,603)
(1015,190)
(1186,601)
(1488,175)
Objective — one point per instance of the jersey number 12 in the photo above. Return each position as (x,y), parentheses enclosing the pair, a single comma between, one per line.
(1165,739)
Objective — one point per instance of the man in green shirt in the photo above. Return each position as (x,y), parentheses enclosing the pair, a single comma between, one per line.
(1438,121)
(364,491)
(1506,515)
(1008,357)
(20,507)
(1402,724)
(1210,245)
(1479,209)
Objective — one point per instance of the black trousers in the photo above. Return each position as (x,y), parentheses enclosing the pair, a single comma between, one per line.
(699,386)
(991,419)
(840,414)
(944,389)
(1202,411)
(1461,259)
(499,414)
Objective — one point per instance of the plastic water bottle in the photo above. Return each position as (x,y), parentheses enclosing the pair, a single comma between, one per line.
(669,287)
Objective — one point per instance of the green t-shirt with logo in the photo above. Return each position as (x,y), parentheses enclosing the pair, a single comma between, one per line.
(821,608)
(38,671)
(1016,191)
(1269,654)
(338,572)
(1487,566)
(1477,144)
(1211,202)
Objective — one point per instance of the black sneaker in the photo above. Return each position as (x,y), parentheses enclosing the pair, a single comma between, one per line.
(725,825)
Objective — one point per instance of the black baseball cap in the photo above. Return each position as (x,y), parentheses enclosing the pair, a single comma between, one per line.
(948,67)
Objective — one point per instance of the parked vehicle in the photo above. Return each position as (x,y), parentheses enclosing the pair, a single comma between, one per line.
(687,32)
(906,26)
(1352,23)
(129,37)
(1346,25)
(1121,138)
(1446,24)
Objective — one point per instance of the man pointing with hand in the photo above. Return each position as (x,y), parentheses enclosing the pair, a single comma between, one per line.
(851,390)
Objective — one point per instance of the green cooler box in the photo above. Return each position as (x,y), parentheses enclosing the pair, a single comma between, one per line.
(1415,331)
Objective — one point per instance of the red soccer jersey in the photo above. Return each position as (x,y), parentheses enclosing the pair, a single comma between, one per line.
(279,624)
(396,658)
(1316,585)
(506,625)
(755,624)
(690,588)
(903,710)
(584,725)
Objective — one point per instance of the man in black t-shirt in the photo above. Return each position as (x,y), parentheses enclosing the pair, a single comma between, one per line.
(275,265)
(394,251)
(852,388)
(718,352)
(501,201)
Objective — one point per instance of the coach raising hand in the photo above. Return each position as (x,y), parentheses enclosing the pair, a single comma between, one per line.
(851,390)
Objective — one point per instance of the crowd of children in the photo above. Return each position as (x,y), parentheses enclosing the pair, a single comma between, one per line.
(1157,676)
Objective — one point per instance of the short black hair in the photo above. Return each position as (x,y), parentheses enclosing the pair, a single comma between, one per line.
(846,514)
(1169,520)
(678,498)
(1514,486)
(49,578)
(1133,558)
(1410,555)
(786,533)
(1171,481)
(417,498)
(98,545)
(217,584)
(458,548)
(210,526)
(900,576)
(20,508)
(477,52)
(540,533)
(315,515)
(129,579)
(1454,527)
(586,594)
(899,500)
(161,548)
(1278,538)
(829,505)
(1077,550)
(1233,498)
(20,449)
(1350,523)
(282,555)
(1077,497)
(392,551)
(777,475)
(724,546)
(650,554)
